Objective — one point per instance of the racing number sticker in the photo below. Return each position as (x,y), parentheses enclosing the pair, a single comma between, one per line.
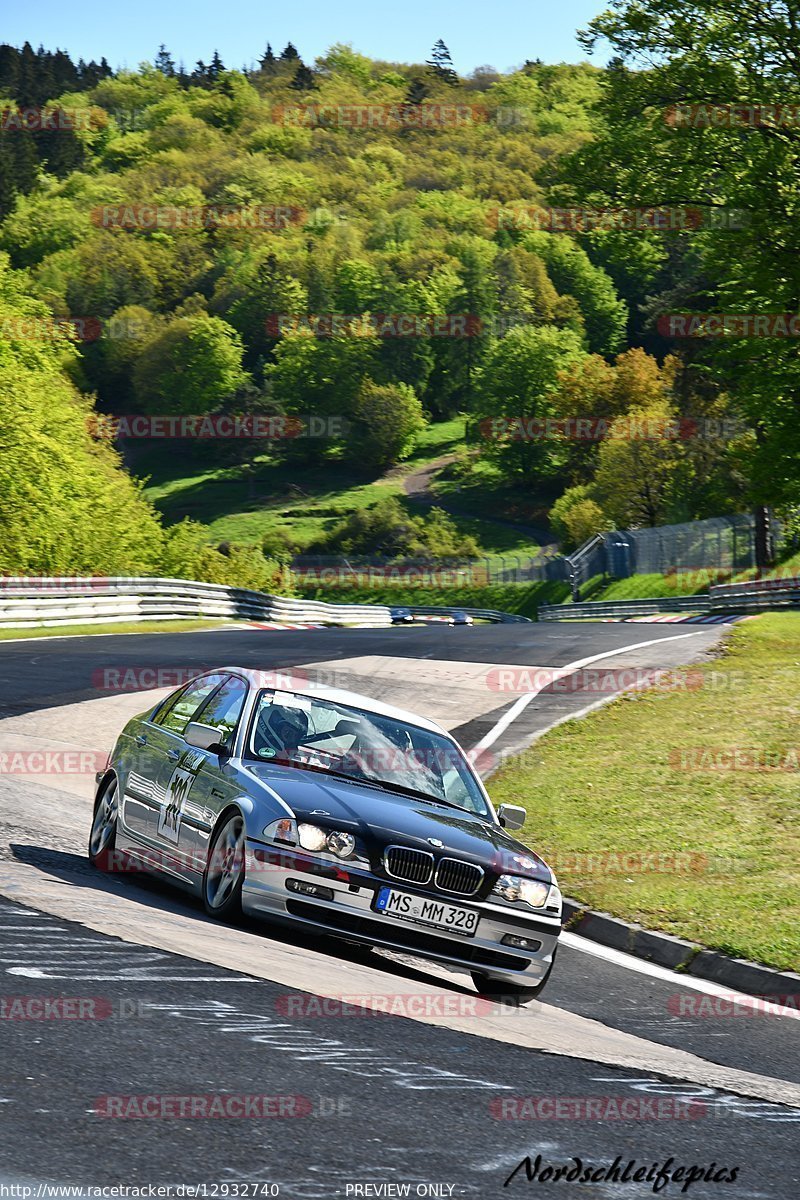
(178,788)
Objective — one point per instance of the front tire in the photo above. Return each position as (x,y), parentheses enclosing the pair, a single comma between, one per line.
(510,993)
(103,835)
(223,877)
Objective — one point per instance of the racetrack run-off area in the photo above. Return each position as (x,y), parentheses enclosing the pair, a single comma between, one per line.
(643,1063)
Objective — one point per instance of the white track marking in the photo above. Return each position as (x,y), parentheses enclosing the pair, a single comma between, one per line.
(520,705)
(681,981)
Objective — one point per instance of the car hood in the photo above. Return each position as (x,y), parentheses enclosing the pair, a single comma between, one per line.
(383,818)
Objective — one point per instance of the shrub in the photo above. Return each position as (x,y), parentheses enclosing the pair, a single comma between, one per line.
(576,516)
(386,529)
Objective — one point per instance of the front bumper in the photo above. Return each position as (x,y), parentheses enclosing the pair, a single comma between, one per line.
(349,912)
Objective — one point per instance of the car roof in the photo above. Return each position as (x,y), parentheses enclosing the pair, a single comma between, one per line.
(271,679)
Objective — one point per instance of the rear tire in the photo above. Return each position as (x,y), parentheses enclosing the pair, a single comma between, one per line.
(223,877)
(103,835)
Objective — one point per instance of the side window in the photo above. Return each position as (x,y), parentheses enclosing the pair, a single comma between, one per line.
(179,711)
(223,708)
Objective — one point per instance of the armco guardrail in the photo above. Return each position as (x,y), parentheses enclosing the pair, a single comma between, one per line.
(46,601)
(756,594)
(599,609)
(751,595)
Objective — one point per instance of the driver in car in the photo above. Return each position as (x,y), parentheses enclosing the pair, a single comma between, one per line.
(286,730)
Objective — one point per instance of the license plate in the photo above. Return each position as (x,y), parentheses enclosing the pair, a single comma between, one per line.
(424,911)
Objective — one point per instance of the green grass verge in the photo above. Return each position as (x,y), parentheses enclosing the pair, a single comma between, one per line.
(485,486)
(692,583)
(613,783)
(790,566)
(522,599)
(118,627)
(242,506)
(638,587)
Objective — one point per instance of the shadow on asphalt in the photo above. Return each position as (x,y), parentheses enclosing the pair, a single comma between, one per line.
(76,870)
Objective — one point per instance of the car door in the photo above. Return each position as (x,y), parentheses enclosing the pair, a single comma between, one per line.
(140,765)
(161,749)
(209,783)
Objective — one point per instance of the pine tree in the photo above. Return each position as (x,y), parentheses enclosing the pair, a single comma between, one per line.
(267,63)
(61,151)
(91,75)
(200,73)
(8,191)
(27,85)
(66,77)
(417,91)
(9,69)
(441,64)
(25,160)
(304,79)
(164,63)
(216,68)
(289,54)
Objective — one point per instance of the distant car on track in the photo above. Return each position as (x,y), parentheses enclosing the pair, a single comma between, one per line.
(461,618)
(332,811)
(401,616)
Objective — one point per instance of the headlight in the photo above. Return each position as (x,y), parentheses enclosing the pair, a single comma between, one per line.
(312,837)
(530,891)
(340,843)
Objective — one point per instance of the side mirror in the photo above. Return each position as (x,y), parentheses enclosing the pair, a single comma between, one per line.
(204,737)
(512,816)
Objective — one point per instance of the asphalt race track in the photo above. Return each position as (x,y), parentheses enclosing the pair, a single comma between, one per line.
(325,1100)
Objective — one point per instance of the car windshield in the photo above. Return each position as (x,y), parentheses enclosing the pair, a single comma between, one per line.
(321,735)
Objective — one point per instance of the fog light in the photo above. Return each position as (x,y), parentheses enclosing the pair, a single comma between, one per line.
(309,889)
(340,843)
(520,943)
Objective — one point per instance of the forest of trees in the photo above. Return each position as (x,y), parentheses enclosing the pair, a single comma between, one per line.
(129,215)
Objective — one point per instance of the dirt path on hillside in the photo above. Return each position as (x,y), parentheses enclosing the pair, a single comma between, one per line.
(417,486)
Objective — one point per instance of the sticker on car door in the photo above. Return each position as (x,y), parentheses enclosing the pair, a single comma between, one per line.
(178,788)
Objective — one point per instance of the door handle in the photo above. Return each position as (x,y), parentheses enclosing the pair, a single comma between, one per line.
(173,755)
(141,740)
(216,792)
